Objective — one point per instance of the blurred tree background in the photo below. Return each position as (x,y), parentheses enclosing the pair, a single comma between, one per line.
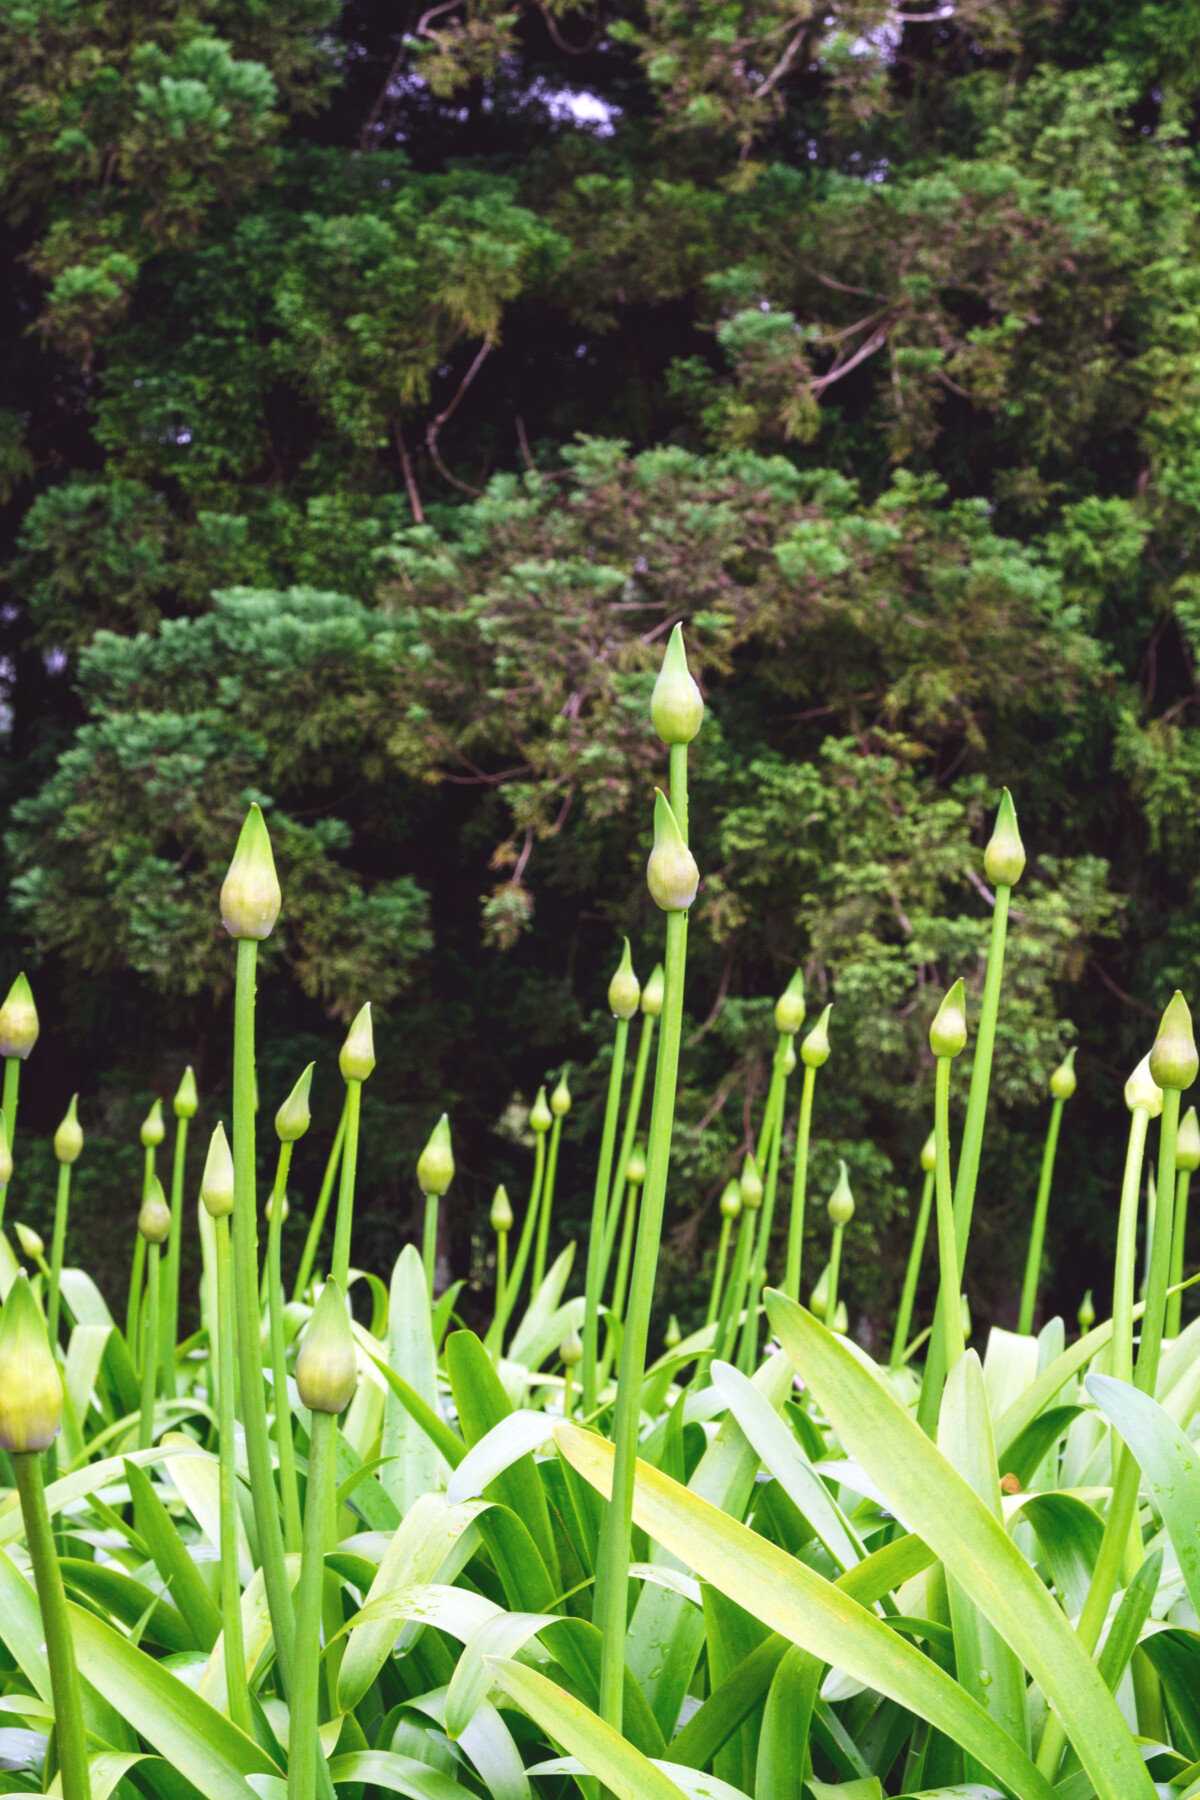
(379,384)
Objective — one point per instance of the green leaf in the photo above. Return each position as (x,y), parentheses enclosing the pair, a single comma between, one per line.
(1168,1460)
(783,1738)
(127,1600)
(105,1769)
(398,1774)
(432,1424)
(171,1559)
(1069,1533)
(413,1468)
(1131,1615)
(510,1439)
(1039,1437)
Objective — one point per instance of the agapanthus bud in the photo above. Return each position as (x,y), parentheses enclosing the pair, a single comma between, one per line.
(540,1118)
(948,1033)
(1063,1082)
(731,1200)
(676,707)
(216,1184)
(356,1058)
(293,1118)
(1173,1060)
(153,1131)
(250,893)
(435,1165)
(6,1161)
(841,1320)
(31,1395)
(672,1336)
(750,1184)
(502,1212)
(68,1139)
(327,1368)
(624,990)
(186,1098)
(570,1351)
(560,1099)
(671,873)
(652,993)
(1142,1090)
(635,1168)
(1087,1312)
(964,1307)
(18,1020)
(1187,1143)
(1004,858)
(814,1051)
(789,1058)
(284,1210)
(154,1220)
(840,1206)
(31,1241)
(790,1008)
(818,1300)
(929,1153)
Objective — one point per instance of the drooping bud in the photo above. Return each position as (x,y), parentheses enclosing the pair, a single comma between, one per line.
(540,1118)
(356,1058)
(948,1033)
(790,1008)
(731,1200)
(68,1139)
(676,708)
(293,1118)
(570,1351)
(1087,1312)
(327,1368)
(153,1130)
(250,894)
(1187,1143)
(1063,1082)
(18,1020)
(840,1206)
(624,990)
(216,1184)
(31,1242)
(1142,1090)
(560,1099)
(929,1153)
(789,1058)
(435,1165)
(814,1051)
(154,1220)
(818,1300)
(652,993)
(671,873)
(284,1210)
(186,1098)
(672,1337)
(1004,858)
(1173,1060)
(502,1212)
(635,1168)
(750,1184)
(31,1394)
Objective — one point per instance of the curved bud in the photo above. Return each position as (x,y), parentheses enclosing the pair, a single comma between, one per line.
(814,1051)
(327,1367)
(1173,1060)
(818,1300)
(731,1200)
(154,1220)
(635,1168)
(216,1184)
(31,1241)
(570,1351)
(929,1153)
(502,1212)
(652,993)
(284,1210)
(789,1058)
(840,1206)
(31,1394)
(293,1118)
(624,990)
(750,1184)
(790,1008)
(671,873)
(1187,1143)
(356,1058)
(1087,1312)
(560,1099)
(1063,1082)
(948,1033)
(1004,858)
(250,894)
(18,1020)
(1142,1090)
(435,1165)
(676,708)
(539,1113)
(153,1131)
(68,1139)
(672,1337)
(186,1098)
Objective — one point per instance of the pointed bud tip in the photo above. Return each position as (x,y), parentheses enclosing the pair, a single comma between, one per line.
(672,1337)
(635,1168)
(68,1139)
(790,1008)
(1174,1062)
(1004,858)
(540,1116)
(671,873)
(357,1056)
(216,1184)
(750,1183)
(1087,1312)
(560,1099)
(1142,1090)
(153,1131)
(814,1051)
(327,1367)
(570,1351)
(929,1153)
(840,1205)
(250,894)
(1187,1143)
(624,990)
(502,1212)
(676,707)
(31,1241)
(731,1200)
(293,1118)
(1064,1081)
(154,1219)
(435,1165)
(31,1394)
(18,1020)
(186,1098)
(948,1033)
(653,992)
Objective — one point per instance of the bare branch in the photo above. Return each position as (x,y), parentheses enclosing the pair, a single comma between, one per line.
(821,382)
(435,425)
(572,49)
(410,483)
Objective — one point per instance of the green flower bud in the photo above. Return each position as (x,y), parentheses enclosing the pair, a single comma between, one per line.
(269,1209)
(1087,1312)
(652,993)
(1187,1143)
(929,1153)
(570,1351)
(154,1220)
(818,1300)
(676,708)
(6,1161)
(1142,1090)
(789,1058)
(216,1184)
(814,1051)
(948,1033)
(31,1242)
(357,1056)
(635,1168)
(840,1206)
(841,1319)
(1063,1081)
(435,1165)
(1173,1060)
(186,1098)
(18,1020)
(750,1184)
(731,1200)
(31,1394)
(672,1337)
(671,873)
(560,1099)
(293,1118)
(539,1113)
(153,1130)
(624,990)
(250,893)
(965,1314)
(789,1008)
(68,1139)
(327,1368)
(1004,858)
(502,1212)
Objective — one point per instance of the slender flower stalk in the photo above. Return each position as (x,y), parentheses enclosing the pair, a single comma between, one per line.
(154,1226)
(1144,1098)
(435,1172)
(185,1104)
(502,1223)
(814,1054)
(730,1316)
(356,1061)
(304,1272)
(788,1020)
(560,1106)
(540,1119)
(731,1207)
(1187,1161)
(18,1034)
(912,1273)
(652,1003)
(1062,1086)
(152,1133)
(570,1353)
(637,1175)
(841,1210)
(68,1144)
(947,1039)
(291,1122)
(624,992)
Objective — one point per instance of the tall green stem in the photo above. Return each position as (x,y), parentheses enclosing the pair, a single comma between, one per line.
(1037,1234)
(303,1743)
(912,1274)
(150,1351)
(543,1230)
(835,1269)
(1178,1247)
(170,1319)
(595,1255)
(718,1284)
(949,1296)
(231,1593)
(60,1651)
(730,1315)
(772,1124)
(304,1272)
(288,1490)
(1154,1317)
(795,1244)
(62,1203)
(345,1211)
(429,1241)
(137,1273)
(12,1082)
(528,1226)
(1125,1268)
(621,1280)
(633,1114)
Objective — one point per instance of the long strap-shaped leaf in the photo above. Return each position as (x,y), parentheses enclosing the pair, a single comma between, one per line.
(794,1600)
(931,1497)
(1169,1461)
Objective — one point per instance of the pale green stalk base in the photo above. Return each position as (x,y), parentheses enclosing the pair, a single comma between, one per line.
(62,1201)
(304,1272)
(1178,1248)
(288,1490)
(543,1230)
(150,1352)
(770,1145)
(795,1247)
(912,1275)
(620,1282)
(60,1652)
(835,1269)
(1037,1233)
(170,1319)
(12,1083)
(949,1294)
(133,1306)
(429,1242)
(231,1593)
(345,1213)
(528,1226)
(718,1282)
(632,1118)
(595,1256)
(1124,1272)
(304,1747)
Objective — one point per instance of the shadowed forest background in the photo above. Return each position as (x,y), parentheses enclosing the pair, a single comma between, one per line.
(379,385)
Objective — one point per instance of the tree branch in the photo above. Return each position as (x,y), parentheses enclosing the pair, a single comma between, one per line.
(435,425)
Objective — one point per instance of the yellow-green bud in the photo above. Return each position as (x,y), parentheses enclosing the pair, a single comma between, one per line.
(671,873)
(1004,858)
(818,1300)
(560,1099)
(154,1220)
(672,1337)
(293,1118)
(840,1206)
(68,1139)
(841,1320)
(284,1210)
(790,1008)
(570,1351)
(31,1394)
(435,1165)
(652,993)
(1063,1082)
(1187,1143)
(250,893)
(676,707)
(965,1313)
(1142,1090)
(814,1051)
(789,1058)
(18,1020)
(731,1200)
(948,1033)
(216,1184)
(929,1153)
(327,1368)
(1087,1312)
(635,1168)
(6,1161)
(1173,1060)
(539,1113)
(750,1184)
(502,1212)
(356,1058)
(624,990)
(31,1241)
(186,1098)
(153,1130)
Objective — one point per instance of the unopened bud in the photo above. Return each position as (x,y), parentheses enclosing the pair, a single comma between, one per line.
(652,993)
(814,1051)
(250,893)
(327,1368)
(635,1168)
(671,874)
(790,1008)
(154,1220)
(216,1184)
(818,1300)
(1063,1082)
(502,1212)
(357,1056)
(1173,1060)
(570,1351)
(1004,858)
(841,1320)
(929,1153)
(676,707)
(789,1058)
(68,1139)
(1087,1312)
(435,1165)
(624,990)
(539,1113)
(186,1098)
(293,1118)
(672,1337)
(1142,1090)
(965,1313)
(31,1242)
(560,1099)
(750,1184)
(31,1394)
(153,1131)
(18,1020)
(284,1210)
(731,1200)
(840,1206)
(948,1033)
(1187,1143)
(6,1161)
